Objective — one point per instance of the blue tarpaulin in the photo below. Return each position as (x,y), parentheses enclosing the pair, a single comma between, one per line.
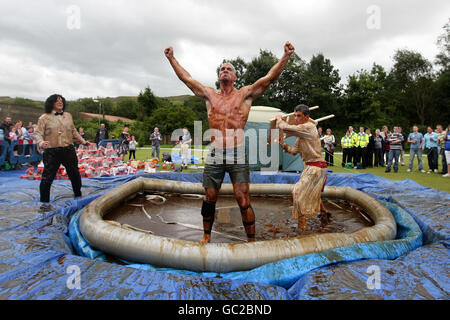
(37,254)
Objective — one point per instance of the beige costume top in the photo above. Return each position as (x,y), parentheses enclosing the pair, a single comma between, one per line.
(307,143)
(307,191)
(58,130)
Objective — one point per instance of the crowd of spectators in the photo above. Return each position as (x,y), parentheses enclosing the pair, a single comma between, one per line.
(11,131)
(387,149)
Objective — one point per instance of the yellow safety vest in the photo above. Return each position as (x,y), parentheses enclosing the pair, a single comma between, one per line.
(354,139)
(362,140)
(347,142)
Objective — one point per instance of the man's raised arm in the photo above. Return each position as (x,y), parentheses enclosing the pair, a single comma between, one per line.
(257,89)
(196,87)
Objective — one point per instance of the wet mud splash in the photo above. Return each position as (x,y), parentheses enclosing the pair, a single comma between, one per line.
(178,216)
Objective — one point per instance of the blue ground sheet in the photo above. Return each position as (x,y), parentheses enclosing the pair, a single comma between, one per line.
(38,251)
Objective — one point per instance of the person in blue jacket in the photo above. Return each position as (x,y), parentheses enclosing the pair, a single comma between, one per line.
(431,149)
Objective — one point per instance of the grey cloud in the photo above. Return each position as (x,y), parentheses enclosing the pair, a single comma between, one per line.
(119,48)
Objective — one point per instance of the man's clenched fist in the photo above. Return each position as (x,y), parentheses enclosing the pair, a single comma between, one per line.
(169,52)
(288,48)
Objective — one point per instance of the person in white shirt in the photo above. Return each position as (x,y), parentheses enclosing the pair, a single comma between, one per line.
(132,148)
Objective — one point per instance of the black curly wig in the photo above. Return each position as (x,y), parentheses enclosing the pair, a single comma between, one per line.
(51,101)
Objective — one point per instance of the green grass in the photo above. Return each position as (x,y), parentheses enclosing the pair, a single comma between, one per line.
(433,180)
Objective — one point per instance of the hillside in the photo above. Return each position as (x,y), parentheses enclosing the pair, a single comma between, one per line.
(30,110)
(21,109)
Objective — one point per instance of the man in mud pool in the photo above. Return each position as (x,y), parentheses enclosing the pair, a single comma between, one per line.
(228,111)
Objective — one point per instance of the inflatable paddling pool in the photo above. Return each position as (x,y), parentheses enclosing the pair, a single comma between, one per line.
(142,246)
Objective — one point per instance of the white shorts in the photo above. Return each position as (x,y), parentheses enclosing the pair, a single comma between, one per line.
(185,152)
(447,156)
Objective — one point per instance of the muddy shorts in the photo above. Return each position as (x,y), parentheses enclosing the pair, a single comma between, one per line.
(219,161)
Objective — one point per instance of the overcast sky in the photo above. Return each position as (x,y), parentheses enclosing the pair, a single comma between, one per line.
(115,48)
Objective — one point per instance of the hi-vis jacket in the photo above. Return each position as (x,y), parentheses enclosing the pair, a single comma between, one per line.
(361,140)
(347,142)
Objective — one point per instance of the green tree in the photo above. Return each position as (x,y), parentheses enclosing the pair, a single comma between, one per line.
(443,42)
(291,86)
(89,105)
(197,105)
(172,118)
(240,67)
(146,104)
(126,107)
(322,86)
(413,80)
(366,102)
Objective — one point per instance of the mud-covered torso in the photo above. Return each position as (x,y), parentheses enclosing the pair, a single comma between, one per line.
(228,114)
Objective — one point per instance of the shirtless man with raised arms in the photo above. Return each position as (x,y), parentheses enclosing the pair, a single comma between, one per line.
(228,111)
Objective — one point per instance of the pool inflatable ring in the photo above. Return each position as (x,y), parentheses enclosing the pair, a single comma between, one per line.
(144,247)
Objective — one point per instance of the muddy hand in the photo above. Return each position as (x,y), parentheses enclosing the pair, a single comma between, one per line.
(169,52)
(45,144)
(289,48)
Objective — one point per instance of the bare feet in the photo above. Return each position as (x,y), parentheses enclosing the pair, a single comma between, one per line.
(206,239)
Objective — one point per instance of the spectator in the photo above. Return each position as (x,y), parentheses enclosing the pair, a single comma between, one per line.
(329,142)
(19,131)
(124,143)
(30,124)
(186,148)
(13,137)
(102,134)
(378,147)
(395,141)
(55,134)
(347,145)
(430,147)
(441,147)
(132,146)
(447,150)
(369,155)
(6,127)
(321,135)
(415,139)
(20,128)
(28,137)
(387,146)
(402,153)
(353,150)
(384,132)
(156,141)
(361,140)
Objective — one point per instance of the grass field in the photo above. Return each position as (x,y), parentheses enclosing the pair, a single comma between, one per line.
(433,180)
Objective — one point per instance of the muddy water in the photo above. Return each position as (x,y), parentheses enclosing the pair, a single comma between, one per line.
(179,217)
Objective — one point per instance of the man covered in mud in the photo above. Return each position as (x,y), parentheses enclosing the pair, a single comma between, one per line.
(228,111)
(307,191)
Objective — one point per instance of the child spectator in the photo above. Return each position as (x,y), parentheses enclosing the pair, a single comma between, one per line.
(13,137)
(28,137)
(132,146)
